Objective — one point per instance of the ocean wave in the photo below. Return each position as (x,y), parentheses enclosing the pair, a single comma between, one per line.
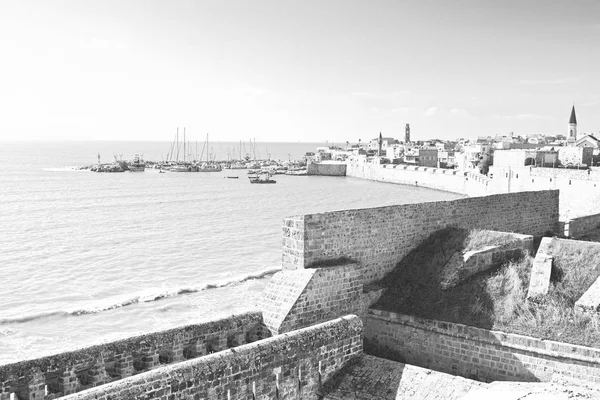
(144,296)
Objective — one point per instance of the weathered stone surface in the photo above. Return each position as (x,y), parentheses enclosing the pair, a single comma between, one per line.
(378,238)
(577,227)
(74,371)
(558,389)
(462,266)
(281,294)
(373,378)
(287,366)
(477,353)
(326,169)
(300,298)
(539,283)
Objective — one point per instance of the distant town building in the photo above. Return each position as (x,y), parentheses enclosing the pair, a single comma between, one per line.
(407,134)
(385,141)
(572,138)
(428,157)
(526,157)
(473,156)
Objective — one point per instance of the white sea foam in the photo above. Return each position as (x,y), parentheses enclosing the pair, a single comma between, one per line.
(143,296)
(85,243)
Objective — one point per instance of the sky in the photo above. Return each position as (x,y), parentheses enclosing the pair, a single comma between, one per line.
(289,71)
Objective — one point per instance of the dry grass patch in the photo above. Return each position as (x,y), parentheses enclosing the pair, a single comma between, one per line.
(496,299)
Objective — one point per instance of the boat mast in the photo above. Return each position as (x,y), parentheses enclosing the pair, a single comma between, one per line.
(177,159)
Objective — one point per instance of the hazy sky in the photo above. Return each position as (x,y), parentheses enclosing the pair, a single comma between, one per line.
(305,70)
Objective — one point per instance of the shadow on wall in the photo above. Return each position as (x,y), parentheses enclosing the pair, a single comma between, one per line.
(455,349)
(377,379)
(408,324)
(421,284)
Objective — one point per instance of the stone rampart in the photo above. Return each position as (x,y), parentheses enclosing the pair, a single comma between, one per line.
(477,353)
(434,178)
(578,227)
(70,372)
(326,169)
(378,238)
(299,298)
(572,184)
(502,179)
(289,366)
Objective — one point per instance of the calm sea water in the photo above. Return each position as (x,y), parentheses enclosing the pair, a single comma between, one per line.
(87,258)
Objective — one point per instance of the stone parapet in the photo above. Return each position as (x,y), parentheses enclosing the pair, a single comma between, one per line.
(478,353)
(378,238)
(71,372)
(292,365)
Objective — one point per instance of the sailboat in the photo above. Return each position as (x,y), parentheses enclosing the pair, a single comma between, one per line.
(182,166)
(209,166)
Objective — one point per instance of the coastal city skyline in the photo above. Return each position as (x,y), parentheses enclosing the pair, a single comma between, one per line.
(285,72)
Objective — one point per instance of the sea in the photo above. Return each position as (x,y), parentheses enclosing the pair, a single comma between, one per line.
(87,258)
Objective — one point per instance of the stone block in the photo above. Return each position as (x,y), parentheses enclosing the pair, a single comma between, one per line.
(539,282)
(462,266)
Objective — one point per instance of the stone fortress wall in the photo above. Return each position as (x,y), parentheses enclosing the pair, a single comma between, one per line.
(287,366)
(330,261)
(477,353)
(571,182)
(70,372)
(326,169)
(378,238)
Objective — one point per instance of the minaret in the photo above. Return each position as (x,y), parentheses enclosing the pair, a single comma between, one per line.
(407,134)
(572,126)
(380,142)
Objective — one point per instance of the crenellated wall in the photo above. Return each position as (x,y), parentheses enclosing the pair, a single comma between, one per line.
(477,353)
(70,372)
(289,366)
(572,183)
(434,178)
(378,238)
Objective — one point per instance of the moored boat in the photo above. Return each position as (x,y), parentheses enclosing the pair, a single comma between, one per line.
(264,177)
(137,165)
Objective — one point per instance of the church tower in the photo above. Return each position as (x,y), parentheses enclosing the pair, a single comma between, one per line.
(407,134)
(572,126)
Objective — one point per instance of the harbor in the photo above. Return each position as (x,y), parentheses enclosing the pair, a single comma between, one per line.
(185,156)
(137,164)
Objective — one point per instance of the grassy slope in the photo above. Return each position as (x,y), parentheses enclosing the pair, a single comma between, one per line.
(496,299)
